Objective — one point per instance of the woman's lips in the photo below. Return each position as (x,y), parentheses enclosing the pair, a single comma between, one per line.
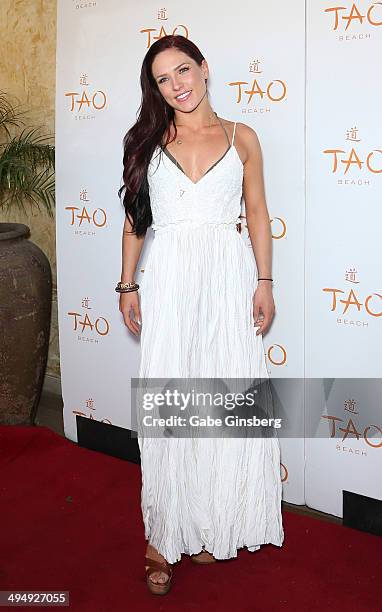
(183,99)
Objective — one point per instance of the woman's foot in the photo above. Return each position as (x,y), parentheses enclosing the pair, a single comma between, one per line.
(203,557)
(158,577)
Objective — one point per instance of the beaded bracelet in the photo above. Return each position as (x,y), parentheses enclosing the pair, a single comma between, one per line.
(126,287)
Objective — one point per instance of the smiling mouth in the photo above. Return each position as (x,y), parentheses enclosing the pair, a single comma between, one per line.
(183,96)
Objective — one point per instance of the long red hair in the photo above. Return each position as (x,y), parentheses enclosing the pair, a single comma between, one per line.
(155,117)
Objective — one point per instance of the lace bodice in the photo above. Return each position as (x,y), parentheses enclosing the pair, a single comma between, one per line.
(215,198)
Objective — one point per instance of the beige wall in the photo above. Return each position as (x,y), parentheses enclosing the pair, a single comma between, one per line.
(27,72)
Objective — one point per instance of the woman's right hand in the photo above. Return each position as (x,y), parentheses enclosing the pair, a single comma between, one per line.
(129,306)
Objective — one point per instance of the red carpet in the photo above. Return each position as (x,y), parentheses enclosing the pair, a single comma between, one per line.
(70,520)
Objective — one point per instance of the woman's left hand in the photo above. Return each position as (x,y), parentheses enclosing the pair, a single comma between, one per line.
(263,307)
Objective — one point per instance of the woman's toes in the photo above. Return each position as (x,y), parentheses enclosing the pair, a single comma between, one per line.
(163,578)
(158,577)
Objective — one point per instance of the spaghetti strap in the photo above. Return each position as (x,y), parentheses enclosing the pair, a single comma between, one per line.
(233,137)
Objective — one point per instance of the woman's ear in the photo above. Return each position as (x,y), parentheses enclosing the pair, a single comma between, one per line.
(205,65)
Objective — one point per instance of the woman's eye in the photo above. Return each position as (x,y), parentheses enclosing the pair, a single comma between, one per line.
(180,70)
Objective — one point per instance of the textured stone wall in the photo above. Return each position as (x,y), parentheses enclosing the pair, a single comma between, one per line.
(27,73)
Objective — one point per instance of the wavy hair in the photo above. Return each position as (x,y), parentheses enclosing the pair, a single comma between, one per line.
(155,117)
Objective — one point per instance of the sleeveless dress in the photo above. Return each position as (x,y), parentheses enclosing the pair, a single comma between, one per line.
(216,494)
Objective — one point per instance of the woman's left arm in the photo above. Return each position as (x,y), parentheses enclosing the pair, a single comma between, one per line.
(259,227)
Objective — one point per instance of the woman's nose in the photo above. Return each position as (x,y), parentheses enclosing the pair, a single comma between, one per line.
(175,84)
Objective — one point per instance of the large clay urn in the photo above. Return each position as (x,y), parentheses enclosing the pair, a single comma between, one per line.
(25,307)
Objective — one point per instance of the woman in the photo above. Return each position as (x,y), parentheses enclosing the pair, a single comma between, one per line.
(202,307)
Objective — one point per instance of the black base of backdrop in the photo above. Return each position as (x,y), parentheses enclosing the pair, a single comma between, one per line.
(109,439)
(362,512)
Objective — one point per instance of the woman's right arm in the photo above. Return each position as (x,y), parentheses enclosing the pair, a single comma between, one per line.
(129,302)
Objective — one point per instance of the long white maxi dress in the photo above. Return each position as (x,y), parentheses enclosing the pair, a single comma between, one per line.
(216,494)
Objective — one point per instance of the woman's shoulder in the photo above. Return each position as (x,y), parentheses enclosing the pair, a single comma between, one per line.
(245,130)
(246,138)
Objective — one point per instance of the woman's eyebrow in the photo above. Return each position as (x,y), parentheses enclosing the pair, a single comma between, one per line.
(176,68)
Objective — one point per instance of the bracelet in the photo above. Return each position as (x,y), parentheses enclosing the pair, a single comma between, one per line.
(126,287)
(270,279)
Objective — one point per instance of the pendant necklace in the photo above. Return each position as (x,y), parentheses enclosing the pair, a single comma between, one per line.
(179,141)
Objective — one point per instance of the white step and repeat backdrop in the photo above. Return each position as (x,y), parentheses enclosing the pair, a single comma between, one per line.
(304,75)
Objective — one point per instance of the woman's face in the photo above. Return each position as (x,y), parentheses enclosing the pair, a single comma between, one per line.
(175,74)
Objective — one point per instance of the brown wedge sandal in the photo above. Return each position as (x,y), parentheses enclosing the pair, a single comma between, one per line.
(203,558)
(158,588)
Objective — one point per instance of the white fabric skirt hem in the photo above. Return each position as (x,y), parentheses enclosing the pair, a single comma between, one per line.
(172,556)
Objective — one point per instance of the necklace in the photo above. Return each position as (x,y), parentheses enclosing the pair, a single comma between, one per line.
(180,185)
(180,141)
